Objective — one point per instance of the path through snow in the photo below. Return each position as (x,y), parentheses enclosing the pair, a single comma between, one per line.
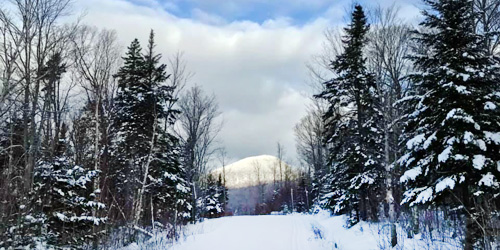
(289,232)
(257,232)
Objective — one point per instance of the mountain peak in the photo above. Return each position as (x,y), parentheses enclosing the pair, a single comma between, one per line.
(254,170)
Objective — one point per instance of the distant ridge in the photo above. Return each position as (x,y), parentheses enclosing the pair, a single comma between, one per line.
(247,172)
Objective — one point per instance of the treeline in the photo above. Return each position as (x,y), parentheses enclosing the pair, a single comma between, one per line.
(93,142)
(406,119)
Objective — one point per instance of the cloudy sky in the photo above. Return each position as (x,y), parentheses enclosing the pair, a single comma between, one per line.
(250,53)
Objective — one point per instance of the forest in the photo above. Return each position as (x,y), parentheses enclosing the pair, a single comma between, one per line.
(102,146)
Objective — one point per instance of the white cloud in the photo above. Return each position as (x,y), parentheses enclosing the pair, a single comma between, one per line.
(256,70)
(207,18)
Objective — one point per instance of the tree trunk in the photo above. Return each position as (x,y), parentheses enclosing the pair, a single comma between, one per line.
(470,225)
(145,167)
(193,214)
(389,195)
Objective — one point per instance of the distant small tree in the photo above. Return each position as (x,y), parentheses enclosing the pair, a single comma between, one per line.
(214,197)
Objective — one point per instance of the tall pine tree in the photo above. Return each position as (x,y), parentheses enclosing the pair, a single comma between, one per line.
(453,126)
(352,121)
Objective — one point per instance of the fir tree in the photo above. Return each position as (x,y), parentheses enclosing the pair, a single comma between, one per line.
(352,127)
(453,126)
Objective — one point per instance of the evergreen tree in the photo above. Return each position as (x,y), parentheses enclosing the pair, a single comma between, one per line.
(129,129)
(214,197)
(352,127)
(146,155)
(170,190)
(61,211)
(452,155)
(222,189)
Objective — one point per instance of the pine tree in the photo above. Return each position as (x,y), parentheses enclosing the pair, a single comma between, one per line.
(52,74)
(352,127)
(452,155)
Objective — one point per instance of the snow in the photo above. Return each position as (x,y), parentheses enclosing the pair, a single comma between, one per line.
(462,89)
(460,157)
(468,137)
(424,196)
(478,161)
(481,144)
(417,140)
(61,216)
(490,106)
(460,114)
(488,180)
(444,184)
(243,173)
(494,137)
(429,140)
(288,232)
(411,174)
(443,157)
(274,232)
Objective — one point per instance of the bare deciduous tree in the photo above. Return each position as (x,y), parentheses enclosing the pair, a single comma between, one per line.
(488,23)
(96,56)
(390,42)
(197,129)
(222,156)
(309,137)
(33,28)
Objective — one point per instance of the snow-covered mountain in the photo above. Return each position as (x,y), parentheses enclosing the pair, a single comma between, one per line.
(256,170)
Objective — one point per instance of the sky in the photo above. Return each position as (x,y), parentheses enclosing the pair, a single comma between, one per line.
(251,54)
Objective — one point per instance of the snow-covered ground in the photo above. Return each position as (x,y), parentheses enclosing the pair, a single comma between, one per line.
(288,232)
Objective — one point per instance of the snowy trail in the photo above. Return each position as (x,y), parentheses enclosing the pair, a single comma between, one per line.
(273,232)
(289,232)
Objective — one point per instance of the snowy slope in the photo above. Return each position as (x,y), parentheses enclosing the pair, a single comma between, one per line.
(248,171)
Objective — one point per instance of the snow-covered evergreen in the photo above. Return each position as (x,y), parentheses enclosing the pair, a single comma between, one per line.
(146,165)
(352,127)
(213,201)
(64,208)
(453,128)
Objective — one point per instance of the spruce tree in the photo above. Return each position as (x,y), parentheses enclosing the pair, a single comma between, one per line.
(214,197)
(170,190)
(129,129)
(63,203)
(147,174)
(452,154)
(352,127)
